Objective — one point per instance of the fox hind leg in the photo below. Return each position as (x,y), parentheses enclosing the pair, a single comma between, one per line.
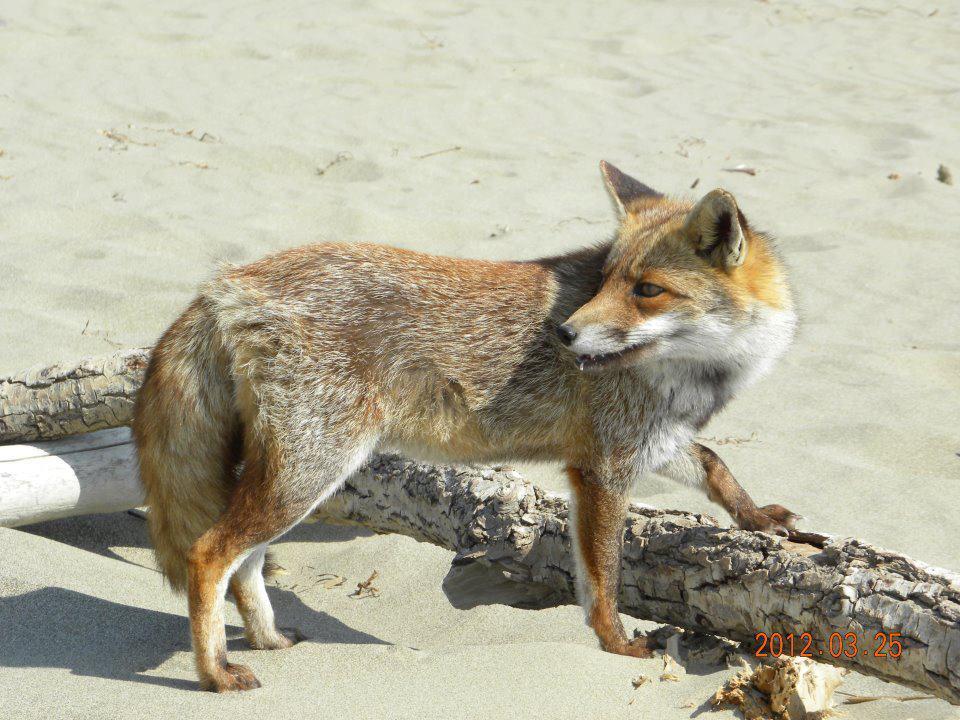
(275,491)
(250,593)
(252,519)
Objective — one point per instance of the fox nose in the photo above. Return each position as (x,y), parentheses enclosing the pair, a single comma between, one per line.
(567,334)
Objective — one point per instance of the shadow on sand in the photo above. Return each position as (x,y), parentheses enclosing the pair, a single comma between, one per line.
(59,628)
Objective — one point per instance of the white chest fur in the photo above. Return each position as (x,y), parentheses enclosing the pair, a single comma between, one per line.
(684,392)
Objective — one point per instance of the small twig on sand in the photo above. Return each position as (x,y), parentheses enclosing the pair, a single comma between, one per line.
(340,158)
(858,699)
(366,589)
(123,140)
(328,581)
(741,168)
(434,43)
(455,148)
(99,334)
(192,133)
(577,218)
(683,147)
(732,440)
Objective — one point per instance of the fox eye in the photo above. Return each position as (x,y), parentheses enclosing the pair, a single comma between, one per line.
(647,290)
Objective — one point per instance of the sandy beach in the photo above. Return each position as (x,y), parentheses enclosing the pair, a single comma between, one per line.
(142,144)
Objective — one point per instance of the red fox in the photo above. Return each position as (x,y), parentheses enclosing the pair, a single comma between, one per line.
(284,375)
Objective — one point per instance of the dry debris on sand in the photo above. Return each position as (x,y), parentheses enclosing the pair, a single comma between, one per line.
(789,688)
(672,670)
(366,588)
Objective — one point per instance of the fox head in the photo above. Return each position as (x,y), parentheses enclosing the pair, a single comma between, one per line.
(681,280)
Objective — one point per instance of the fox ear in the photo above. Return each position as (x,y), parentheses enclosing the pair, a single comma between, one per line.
(717,229)
(625,191)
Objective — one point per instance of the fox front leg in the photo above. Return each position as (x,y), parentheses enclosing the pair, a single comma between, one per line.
(597,529)
(702,467)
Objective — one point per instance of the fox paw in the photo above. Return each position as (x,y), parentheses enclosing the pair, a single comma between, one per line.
(639,647)
(771,519)
(231,678)
(280,639)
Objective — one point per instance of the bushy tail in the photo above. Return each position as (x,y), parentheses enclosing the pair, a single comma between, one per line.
(188,436)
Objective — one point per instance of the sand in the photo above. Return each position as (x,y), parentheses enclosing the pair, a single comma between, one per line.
(142,144)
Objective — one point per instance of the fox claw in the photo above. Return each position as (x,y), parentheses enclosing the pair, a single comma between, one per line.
(231,678)
(772,519)
(639,647)
(786,519)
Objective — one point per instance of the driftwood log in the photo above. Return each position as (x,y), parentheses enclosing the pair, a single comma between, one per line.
(81,475)
(511,546)
(70,399)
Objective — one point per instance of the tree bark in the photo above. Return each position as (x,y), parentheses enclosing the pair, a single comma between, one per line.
(512,547)
(69,399)
(511,543)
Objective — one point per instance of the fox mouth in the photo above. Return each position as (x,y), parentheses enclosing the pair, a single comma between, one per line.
(586,363)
